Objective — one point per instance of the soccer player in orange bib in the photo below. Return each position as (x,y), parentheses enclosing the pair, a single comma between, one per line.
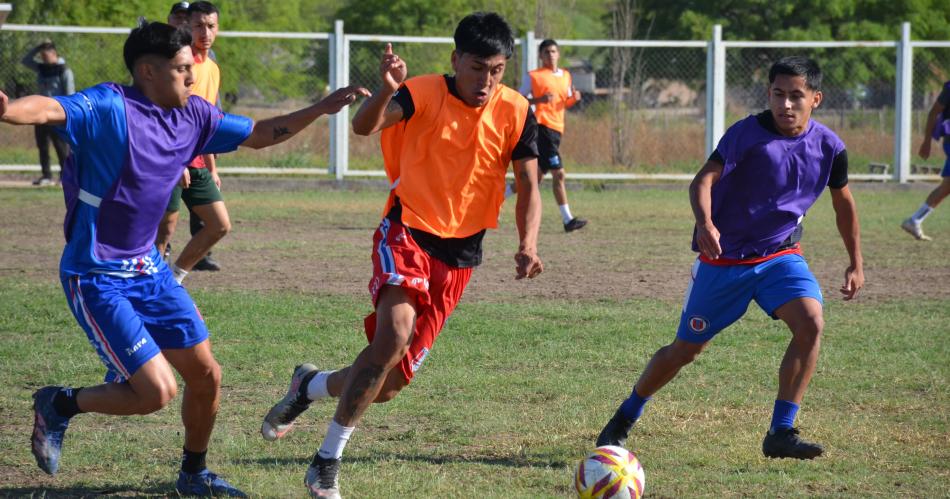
(447,142)
(551,91)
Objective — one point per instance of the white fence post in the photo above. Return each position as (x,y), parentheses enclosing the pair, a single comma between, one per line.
(529,54)
(339,78)
(902,126)
(715,89)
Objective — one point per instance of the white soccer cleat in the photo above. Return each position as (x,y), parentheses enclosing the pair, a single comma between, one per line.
(280,418)
(913,228)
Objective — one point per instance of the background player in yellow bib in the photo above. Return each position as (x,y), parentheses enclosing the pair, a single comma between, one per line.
(551,91)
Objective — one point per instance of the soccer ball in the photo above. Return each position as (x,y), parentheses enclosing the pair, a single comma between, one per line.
(609,472)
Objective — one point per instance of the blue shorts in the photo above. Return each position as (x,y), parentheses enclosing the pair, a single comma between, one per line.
(946,165)
(719,295)
(130,320)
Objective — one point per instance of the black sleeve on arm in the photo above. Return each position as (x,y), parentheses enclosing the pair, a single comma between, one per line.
(716,157)
(527,146)
(944,97)
(839,171)
(404,99)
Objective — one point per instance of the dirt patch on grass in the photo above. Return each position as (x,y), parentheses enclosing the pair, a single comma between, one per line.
(305,254)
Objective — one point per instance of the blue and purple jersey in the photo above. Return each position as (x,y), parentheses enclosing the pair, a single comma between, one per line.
(942,127)
(127,155)
(768,183)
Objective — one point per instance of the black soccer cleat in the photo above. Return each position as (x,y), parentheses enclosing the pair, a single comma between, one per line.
(615,431)
(575,224)
(207,263)
(322,479)
(785,442)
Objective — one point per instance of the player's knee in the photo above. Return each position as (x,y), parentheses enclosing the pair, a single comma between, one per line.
(557,175)
(388,393)
(219,230)
(394,384)
(158,398)
(388,354)
(809,329)
(207,379)
(682,353)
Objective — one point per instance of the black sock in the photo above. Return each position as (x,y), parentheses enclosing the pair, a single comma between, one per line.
(192,462)
(65,402)
(302,389)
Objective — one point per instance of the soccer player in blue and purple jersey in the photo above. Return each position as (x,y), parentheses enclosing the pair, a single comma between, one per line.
(938,126)
(129,147)
(749,200)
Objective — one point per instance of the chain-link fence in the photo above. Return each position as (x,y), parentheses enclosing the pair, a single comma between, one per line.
(644,107)
(858,88)
(260,77)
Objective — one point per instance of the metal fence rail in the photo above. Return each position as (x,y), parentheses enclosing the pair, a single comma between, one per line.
(655,116)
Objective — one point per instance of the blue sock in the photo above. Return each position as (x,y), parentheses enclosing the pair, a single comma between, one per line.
(632,408)
(783,416)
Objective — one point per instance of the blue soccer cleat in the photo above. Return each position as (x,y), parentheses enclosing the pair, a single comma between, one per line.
(49,428)
(205,484)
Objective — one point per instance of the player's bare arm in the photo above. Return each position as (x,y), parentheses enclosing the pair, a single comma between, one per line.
(280,128)
(211,163)
(380,111)
(31,110)
(528,218)
(700,198)
(935,111)
(846,217)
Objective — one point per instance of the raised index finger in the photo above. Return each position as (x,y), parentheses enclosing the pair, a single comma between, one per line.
(389,49)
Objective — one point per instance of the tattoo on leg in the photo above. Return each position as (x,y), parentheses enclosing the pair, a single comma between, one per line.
(280,131)
(365,378)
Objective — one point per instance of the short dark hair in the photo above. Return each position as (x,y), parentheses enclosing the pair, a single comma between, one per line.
(545,44)
(797,65)
(484,34)
(179,6)
(154,38)
(203,7)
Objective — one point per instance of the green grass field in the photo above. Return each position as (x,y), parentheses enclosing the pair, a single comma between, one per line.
(524,375)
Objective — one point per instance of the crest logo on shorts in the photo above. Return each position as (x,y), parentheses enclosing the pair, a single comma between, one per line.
(698,324)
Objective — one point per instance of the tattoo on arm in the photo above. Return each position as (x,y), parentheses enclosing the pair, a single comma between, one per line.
(280,131)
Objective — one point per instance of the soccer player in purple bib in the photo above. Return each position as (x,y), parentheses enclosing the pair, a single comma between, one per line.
(129,147)
(749,200)
(938,126)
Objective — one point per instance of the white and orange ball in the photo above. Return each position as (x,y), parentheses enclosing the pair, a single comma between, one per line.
(609,472)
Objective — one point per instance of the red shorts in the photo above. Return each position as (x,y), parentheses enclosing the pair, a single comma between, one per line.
(399,261)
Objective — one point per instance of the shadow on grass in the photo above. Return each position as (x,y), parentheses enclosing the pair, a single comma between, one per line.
(532,461)
(166,489)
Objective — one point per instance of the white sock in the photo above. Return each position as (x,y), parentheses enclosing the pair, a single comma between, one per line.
(335,441)
(317,388)
(922,213)
(565,212)
(508,190)
(179,272)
